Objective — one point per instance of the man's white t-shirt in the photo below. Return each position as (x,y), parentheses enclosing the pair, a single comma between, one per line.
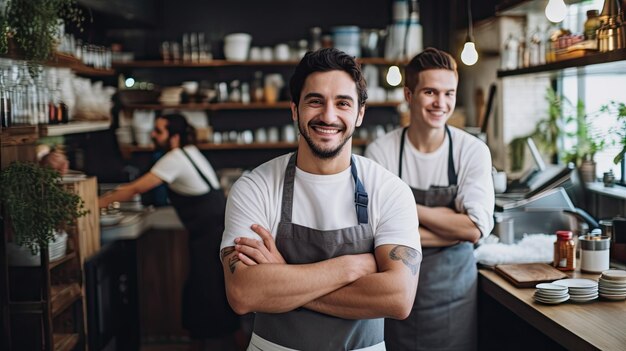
(323,202)
(472,162)
(175,169)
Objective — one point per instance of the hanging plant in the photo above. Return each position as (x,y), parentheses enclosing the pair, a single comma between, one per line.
(33,26)
(36,203)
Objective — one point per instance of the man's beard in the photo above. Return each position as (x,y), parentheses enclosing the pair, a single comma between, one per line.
(158,147)
(317,149)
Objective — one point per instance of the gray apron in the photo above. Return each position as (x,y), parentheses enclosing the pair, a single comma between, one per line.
(444,315)
(303,329)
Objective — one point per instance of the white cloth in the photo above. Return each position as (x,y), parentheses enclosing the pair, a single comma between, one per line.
(323,202)
(257,343)
(175,169)
(472,163)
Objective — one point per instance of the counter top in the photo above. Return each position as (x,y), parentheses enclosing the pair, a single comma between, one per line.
(599,324)
(136,223)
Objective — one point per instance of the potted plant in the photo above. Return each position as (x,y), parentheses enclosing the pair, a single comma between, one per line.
(31,28)
(36,204)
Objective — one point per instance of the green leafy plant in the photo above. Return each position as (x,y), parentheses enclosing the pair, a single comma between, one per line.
(618,110)
(36,203)
(589,140)
(32,25)
(548,130)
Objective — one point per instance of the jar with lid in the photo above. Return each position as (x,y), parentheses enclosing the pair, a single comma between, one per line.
(564,251)
(592,24)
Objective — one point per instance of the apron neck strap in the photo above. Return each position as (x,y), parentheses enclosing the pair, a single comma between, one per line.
(360,195)
(452,177)
(197,169)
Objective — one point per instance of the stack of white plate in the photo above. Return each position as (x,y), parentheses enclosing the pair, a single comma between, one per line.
(613,284)
(22,256)
(580,290)
(550,293)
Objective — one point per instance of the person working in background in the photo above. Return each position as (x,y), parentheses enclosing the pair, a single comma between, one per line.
(338,244)
(449,172)
(194,191)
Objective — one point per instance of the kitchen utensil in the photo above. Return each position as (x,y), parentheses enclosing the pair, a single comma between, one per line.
(528,275)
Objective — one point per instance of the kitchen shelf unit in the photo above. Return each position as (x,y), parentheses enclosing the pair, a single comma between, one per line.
(73,127)
(225,63)
(229,116)
(219,106)
(593,63)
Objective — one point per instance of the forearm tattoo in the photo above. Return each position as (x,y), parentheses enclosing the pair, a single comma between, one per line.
(231,261)
(407,255)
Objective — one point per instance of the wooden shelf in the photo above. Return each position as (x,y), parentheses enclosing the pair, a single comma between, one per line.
(225,63)
(18,135)
(65,258)
(64,342)
(588,60)
(73,128)
(280,105)
(63,296)
(76,65)
(234,146)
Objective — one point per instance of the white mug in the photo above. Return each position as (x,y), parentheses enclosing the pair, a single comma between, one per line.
(499,182)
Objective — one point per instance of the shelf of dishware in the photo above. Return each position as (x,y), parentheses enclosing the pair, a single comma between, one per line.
(218,106)
(225,63)
(235,146)
(584,61)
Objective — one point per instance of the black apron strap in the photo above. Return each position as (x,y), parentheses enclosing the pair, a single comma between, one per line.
(402,151)
(360,195)
(452,177)
(197,169)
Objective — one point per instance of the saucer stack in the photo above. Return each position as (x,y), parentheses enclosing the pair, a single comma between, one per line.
(613,284)
(551,293)
(580,290)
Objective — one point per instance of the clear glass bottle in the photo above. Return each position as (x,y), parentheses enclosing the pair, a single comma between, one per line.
(564,251)
(6,118)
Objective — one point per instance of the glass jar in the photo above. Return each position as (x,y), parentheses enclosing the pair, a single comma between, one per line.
(592,24)
(564,251)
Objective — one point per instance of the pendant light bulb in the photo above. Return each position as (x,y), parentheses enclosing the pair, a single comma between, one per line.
(556,10)
(469,55)
(394,77)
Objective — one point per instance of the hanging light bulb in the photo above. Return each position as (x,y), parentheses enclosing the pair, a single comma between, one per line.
(469,55)
(556,11)
(394,77)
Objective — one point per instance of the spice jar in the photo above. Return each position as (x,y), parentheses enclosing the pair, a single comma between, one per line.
(564,251)
(592,24)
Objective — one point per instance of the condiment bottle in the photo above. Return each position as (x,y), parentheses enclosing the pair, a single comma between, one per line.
(564,251)
(592,24)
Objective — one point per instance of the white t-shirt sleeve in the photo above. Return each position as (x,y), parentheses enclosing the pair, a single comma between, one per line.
(168,167)
(398,222)
(475,194)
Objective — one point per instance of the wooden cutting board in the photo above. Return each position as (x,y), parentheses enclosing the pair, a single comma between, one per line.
(527,275)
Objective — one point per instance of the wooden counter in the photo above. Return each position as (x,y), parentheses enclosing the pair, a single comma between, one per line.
(599,324)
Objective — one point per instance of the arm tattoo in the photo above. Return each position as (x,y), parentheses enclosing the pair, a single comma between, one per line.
(407,255)
(231,261)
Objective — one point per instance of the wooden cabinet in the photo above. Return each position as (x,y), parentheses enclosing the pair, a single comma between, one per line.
(46,303)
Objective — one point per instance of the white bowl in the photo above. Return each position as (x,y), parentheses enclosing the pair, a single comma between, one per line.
(236,46)
(111,219)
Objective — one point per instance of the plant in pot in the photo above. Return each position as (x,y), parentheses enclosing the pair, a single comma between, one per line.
(31,28)
(589,140)
(618,109)
(37,205)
